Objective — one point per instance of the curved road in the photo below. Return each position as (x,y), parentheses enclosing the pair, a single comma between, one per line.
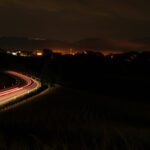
(11,94)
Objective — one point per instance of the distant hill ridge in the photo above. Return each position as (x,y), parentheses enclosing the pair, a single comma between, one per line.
(89,43)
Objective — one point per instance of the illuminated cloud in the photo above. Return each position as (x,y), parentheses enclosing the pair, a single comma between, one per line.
(75,19)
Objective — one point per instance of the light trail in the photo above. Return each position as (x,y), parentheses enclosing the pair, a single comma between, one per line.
(11,94)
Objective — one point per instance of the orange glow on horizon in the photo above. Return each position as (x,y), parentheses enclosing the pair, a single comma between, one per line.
(73,52)
(39,53)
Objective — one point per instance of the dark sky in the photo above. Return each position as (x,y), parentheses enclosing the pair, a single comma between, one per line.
(75,19)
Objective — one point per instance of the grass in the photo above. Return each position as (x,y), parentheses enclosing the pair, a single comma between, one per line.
(67,119)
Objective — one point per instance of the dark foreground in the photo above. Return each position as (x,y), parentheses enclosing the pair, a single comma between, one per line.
(6,81)
(104,103)
(67,119)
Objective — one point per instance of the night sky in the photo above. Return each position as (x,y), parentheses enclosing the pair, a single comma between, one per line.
(75,19)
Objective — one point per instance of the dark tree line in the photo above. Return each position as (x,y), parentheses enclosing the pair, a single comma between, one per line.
(92,71)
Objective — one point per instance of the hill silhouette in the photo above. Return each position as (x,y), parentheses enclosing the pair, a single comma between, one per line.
(89,43)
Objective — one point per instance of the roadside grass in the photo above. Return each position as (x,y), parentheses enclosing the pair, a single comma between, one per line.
(67,119)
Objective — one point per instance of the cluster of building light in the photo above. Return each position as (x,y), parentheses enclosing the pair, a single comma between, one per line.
(39,53)
(14,53)
(25,53)
(70,51)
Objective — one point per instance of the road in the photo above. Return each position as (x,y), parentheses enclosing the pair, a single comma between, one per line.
(15,92)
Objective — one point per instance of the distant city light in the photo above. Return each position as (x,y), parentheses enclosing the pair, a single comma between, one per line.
(14,53)
(39,53)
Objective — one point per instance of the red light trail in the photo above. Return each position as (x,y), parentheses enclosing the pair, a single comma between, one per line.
(15,92)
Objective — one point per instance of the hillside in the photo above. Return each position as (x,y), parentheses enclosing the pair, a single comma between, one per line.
(64,118)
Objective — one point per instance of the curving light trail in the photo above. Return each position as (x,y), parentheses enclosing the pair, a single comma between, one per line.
(16,92)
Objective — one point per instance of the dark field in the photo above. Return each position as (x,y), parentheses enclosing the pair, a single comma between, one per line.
(103,104)
(67,119)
